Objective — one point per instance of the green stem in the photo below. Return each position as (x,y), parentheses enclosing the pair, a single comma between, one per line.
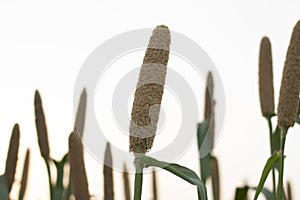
(271,145)
(49,178)
(59,188)
(280,192)
(138,182)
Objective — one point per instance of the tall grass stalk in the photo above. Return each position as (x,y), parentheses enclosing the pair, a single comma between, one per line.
(266,92)
(147,100)
(154,185)
(42,134)
(126,183)
(138,179)
(266,89)
(271,145)
(281,164)
(289,97)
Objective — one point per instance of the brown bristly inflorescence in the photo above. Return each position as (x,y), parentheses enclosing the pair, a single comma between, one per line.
(266,90)
(12,157)
(79,181)
(290,83)
(24,175)
(149,91)
(108,174)
(41,126)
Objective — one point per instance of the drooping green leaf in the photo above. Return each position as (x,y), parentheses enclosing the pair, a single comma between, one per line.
(3,188)
(241,193)
(268,167)
(180,171)
(266,192)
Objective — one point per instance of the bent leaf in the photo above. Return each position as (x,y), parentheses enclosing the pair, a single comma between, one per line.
(180,171)
(268,167)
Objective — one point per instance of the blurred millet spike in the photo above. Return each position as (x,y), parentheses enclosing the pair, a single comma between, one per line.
(266,90)
(209,101)
(41,126)
(24,175)
(81,112)
(149,91)
(78,175)
(108,174)
(209,114)
(12,157)
(290,83)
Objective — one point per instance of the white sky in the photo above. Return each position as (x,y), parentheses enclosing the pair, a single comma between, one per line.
(43,45)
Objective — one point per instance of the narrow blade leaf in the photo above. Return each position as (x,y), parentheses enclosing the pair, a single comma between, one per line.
(266,192)
(180,171)
(268,167)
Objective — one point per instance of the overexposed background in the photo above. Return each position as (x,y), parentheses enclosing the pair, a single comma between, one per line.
(43,45)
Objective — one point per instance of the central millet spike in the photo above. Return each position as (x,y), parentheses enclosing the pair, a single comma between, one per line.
(149,91)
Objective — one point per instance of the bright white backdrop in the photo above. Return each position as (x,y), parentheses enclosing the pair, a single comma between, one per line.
(43,45)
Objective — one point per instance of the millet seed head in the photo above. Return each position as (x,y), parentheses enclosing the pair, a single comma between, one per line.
(290,83)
